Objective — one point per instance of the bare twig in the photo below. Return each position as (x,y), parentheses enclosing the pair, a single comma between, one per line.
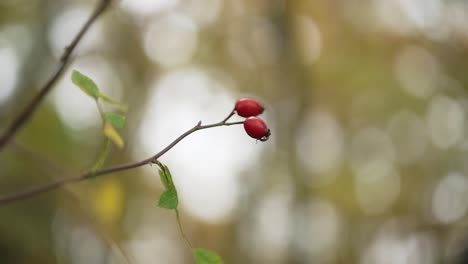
(28,111)
(90,174)
(229,116)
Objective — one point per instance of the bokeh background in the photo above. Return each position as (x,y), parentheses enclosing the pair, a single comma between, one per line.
(367,101)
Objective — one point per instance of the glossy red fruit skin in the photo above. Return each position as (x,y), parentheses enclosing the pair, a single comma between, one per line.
(257,128)
(247,107)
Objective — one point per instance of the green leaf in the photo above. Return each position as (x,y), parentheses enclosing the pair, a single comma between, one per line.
(112,134)
(117,120)
(108,100)
(85,84)
(169,199)
(164,179)
(168,176)
(205,256)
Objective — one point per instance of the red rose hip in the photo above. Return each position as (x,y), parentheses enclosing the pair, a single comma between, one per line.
(247,107)
(257,128)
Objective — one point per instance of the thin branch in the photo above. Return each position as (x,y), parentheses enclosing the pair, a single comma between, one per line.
(90,174)
(229,116)
(30,108)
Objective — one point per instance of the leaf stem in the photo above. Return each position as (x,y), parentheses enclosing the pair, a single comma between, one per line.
(182,233)
(102,155)
(101,112)
(229,116)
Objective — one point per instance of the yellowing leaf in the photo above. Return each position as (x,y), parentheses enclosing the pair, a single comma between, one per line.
(110,132)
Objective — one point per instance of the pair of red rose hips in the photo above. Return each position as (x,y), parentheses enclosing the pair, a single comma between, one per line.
(253,125)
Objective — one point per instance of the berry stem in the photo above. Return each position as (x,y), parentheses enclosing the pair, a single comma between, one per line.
(229,116)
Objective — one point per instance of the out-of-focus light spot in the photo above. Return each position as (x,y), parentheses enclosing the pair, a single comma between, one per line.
(153,234)
(322,225)
(197,10)
(445,121)
(272,226)
(309,39)
(408,133)
(377,183)
(372,154)
(391,17)
(456,18)
(75,242)
(422,13)
(9,66)
(394,244)
(67,24)
(205,166)
(408,16)
(85,247)
(171,40)
(377,196)
(148,249)
(450,199)
(147,7)
(418,71)
(320,144)
(76,109)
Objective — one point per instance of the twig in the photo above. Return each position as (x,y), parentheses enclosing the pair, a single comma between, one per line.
(229,116)
(90,174)
(28,111)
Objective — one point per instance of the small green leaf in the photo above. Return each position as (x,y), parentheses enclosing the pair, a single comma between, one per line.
(169,199)
(112,134)
(205,256)
(85,84)
(168,176)
(117,120)
(113,102)
(164,180)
